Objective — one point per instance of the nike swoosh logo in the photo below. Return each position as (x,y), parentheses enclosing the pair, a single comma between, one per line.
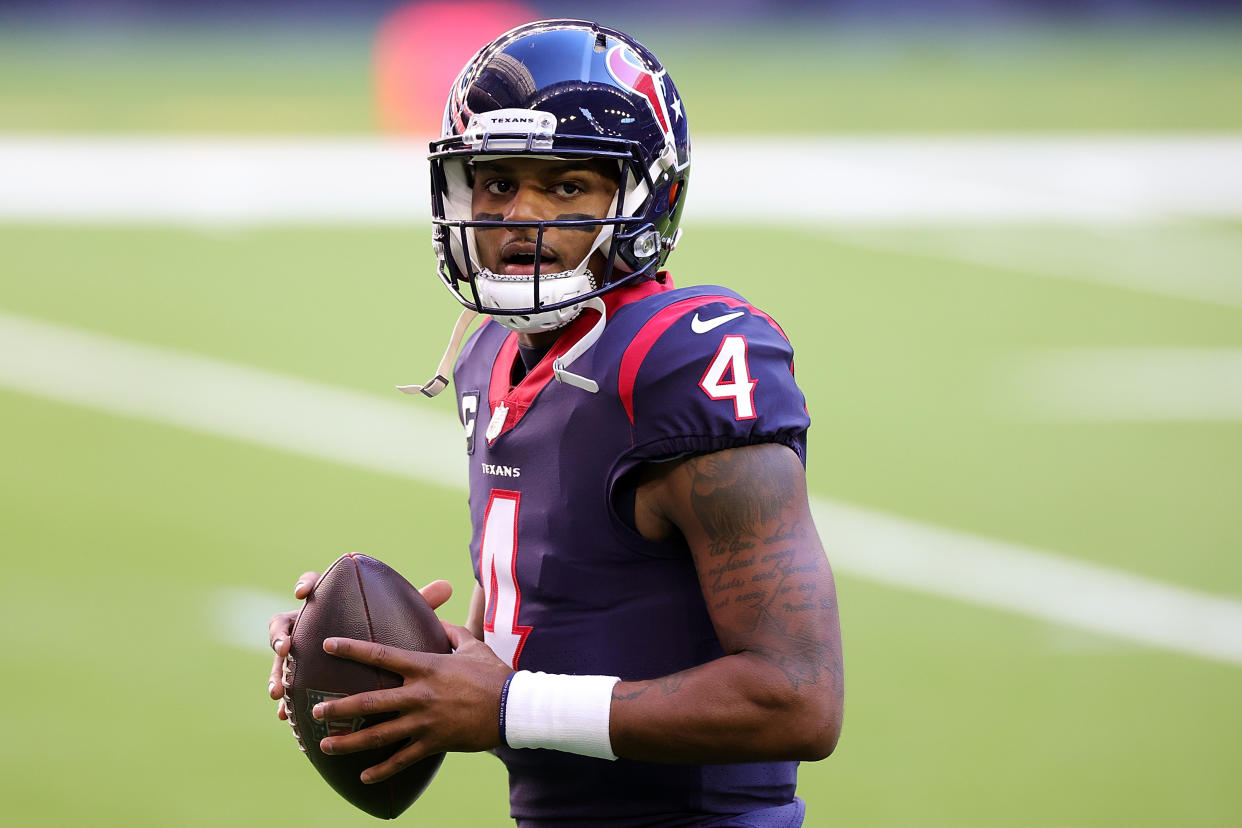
(700,326)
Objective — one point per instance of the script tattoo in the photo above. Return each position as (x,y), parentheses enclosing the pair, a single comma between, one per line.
(668,685)
(765,576)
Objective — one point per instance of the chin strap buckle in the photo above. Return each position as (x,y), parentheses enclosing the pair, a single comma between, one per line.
(440,381)
(580,347)
(433,386)
(561,375)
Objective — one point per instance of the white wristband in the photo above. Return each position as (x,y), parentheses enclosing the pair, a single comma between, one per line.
(569,713)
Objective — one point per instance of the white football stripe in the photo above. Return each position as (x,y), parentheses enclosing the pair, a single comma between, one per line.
(862,180)
(401,437)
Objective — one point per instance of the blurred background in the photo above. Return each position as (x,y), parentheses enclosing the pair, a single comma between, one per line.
(1004,237)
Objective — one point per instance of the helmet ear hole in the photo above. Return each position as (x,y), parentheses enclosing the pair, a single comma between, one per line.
(673,192)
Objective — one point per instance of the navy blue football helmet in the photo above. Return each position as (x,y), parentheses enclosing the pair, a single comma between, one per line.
(561,89)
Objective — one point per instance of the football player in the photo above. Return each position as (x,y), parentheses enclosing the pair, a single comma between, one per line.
(653,637)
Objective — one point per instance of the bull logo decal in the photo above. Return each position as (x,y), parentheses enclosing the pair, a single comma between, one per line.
(628,71)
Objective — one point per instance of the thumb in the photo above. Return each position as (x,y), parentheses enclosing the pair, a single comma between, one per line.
(436,593)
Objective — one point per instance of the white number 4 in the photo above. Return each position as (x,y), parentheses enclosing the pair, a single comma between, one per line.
(728,377)
(498,574)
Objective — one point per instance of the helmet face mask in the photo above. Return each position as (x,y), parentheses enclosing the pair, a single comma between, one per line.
(561,90)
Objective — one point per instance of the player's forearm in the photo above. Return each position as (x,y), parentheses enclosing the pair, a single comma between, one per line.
(769,591)
(739,708)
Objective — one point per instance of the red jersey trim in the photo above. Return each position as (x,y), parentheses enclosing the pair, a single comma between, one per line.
(520,397)
(654,328)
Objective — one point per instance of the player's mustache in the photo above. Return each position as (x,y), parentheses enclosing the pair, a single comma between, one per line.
(526,246)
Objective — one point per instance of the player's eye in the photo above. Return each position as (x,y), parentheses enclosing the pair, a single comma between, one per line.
(498,186)
(567,189)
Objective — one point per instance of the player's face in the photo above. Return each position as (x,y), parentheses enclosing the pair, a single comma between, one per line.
(540,189)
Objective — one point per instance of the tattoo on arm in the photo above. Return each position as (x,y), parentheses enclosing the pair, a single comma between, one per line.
(733,499)
(668,684)
(764,574)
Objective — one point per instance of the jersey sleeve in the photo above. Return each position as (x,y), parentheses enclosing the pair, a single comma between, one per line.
(706,376)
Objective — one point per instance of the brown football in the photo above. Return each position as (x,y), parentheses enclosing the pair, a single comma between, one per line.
(358,597)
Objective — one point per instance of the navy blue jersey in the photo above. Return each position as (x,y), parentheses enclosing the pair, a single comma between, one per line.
(571,586)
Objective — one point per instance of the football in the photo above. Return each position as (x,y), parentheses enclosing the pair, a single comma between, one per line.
(358,597)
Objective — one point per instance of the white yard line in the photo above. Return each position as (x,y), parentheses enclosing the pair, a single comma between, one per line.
(1185,261)
(403,437)
(238,616)
(1128,384)
(236,401)
(1030,582)
(769,180)
(989,179)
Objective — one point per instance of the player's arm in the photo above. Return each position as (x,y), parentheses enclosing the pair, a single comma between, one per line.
(778,692)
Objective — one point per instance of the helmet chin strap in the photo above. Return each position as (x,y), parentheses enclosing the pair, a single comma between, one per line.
(440,381)
(577,281)
(579,348)
(499,292)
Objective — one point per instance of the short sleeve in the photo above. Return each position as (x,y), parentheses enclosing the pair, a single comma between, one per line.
(702,377)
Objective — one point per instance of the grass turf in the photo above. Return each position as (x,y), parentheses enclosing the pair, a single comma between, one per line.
(129,704)
(768,80)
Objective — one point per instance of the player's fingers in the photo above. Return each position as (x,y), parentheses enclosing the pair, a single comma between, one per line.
(282,712)
(436,593)
(394,659)
(275,687)
(306,582)
(278,631)
(396,763)
(458,635)
(369,738)
(363,704)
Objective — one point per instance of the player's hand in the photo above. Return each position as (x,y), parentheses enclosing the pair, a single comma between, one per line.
(280,632)
(279,636)
(447,702)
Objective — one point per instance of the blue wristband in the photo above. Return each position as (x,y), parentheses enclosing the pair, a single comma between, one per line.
(504,703)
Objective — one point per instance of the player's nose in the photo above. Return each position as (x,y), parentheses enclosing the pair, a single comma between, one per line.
(527,204)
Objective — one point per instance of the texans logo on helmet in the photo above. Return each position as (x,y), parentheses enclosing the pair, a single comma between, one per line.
(628,71)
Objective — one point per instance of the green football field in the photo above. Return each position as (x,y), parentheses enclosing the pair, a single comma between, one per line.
(137,550)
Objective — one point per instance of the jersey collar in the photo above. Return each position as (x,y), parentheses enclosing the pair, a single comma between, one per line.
(518,399)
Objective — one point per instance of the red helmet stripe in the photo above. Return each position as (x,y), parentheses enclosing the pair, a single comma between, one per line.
(639,80)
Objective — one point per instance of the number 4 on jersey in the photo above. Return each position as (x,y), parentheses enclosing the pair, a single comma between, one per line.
(728,377)
(498,573)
